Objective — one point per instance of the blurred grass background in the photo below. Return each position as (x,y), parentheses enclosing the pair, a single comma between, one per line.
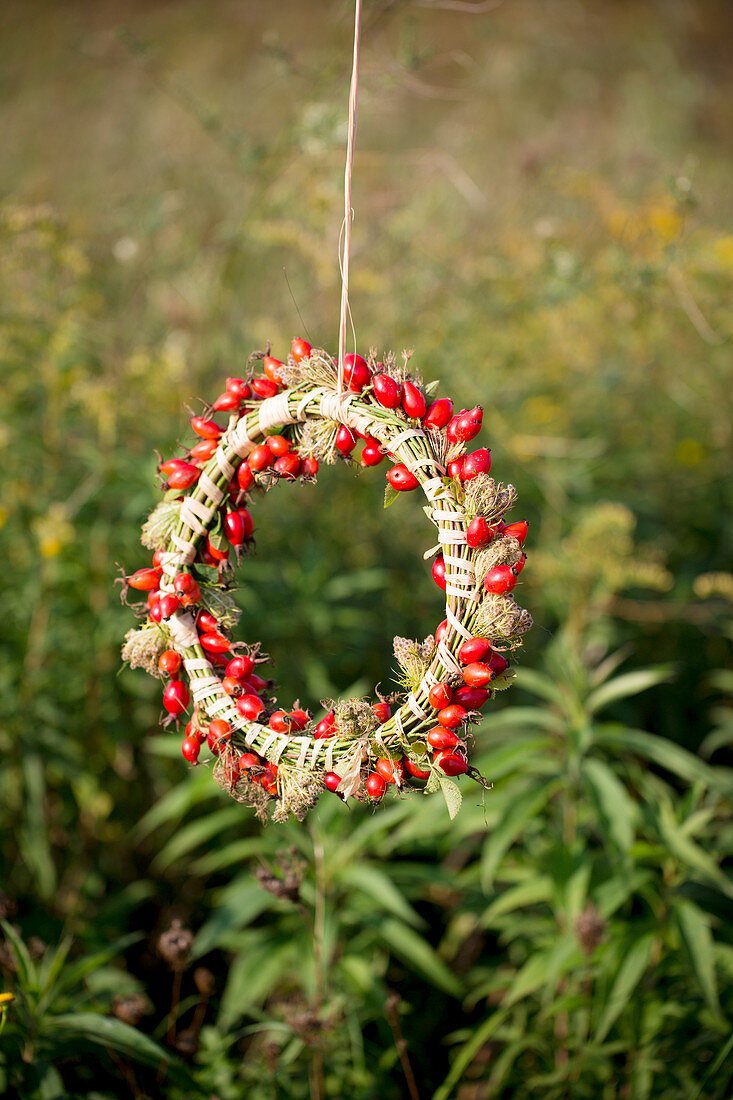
(543,211)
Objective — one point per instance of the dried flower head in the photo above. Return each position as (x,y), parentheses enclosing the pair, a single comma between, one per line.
(317,439)
(285,884)
(354,717)
(175,943)
(186,1042)
(501,617)
(143,647)
(299,790)
(413,658)
(488,498)
(590,929)
(221,604)
(160,525)
(131,1007)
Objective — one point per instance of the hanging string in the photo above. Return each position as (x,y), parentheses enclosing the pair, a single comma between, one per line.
(348,213)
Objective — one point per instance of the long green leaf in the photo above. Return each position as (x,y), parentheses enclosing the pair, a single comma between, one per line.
(104,1031)
(537,889)
(615,807)
(381,891)
(26,968)
(687,851)
(408,945)
(77,972)
(244,900)
(172,807)
(630,683)
(197,832)
(468,1052)
(628,977)
(538,683)
(519,812)
(667,755)
(544,968)
(253,977)
(694,928)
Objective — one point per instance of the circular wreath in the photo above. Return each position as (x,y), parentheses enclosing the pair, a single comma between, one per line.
(281,424)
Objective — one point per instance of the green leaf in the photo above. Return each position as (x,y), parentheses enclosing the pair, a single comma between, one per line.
(174,805)
(254,975)
(712,1073)
(628,977)
(667,754)
(630,683)
(244,900)
(468,1052)
(104,1031)
(614,806)
(407,945)
(197,833)
(451,794)
(537,889)
(77,972)
(390,495)
(26,968)
(543,968)
(687,851)
(694,928)
(381,891)
(33,835)
(538,683)
(519,812)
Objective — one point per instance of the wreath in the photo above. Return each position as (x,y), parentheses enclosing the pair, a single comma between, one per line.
(281,423)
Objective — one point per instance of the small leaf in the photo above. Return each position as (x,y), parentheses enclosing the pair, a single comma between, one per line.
(390,495)
(451,794)
(628,977)
(694,930)
(433,783)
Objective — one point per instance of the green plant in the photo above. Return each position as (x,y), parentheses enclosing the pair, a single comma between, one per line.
(54,1017)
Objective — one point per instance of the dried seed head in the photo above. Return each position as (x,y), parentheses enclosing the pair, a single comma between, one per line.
(299,790)
(8,906)
(285,884)
(130,1008)
(175,943)
(221,604)
(317,439)
(501,617)
(414,658)
(143,647)
(504,551)
(489,498)
(354,717)
(186,1042)
(160,525)
(590,929)
(36,947)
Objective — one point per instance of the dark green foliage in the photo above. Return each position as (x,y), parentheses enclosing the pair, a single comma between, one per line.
(542,211)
